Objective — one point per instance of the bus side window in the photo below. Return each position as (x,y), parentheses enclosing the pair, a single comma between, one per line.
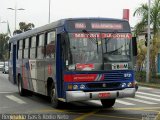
(26,46)
(50,47)
(33,47)
(40,48)
(19,49)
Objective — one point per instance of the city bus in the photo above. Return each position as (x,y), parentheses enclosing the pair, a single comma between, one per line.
(75,59)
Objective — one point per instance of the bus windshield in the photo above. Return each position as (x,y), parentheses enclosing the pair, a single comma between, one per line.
(116,49)
(95,48)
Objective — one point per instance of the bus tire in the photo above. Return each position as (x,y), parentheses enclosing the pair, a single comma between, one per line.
(108,103)
(53,97)
(21,90)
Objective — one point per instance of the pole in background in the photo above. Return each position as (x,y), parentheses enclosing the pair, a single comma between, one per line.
(49,11)
(15,14)
(148,45)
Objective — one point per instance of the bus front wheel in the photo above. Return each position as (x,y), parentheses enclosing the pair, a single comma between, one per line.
(108,103)
(53,96)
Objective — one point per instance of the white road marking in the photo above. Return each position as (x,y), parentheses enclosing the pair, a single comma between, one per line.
(141,101)
(11,97)
(148,98)
(149,94)
(145,88)
(156,92)
(123,102)
(6,92)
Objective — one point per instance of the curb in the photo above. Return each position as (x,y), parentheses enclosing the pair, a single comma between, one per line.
(152,85)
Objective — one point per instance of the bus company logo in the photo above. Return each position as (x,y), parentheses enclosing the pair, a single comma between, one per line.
(82,35)
(117,35)
(80,25)
(120,66)
(116,26)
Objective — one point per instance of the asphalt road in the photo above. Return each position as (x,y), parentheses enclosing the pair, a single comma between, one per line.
(145,105)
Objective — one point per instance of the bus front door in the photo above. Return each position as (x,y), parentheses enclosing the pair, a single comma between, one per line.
(14,63)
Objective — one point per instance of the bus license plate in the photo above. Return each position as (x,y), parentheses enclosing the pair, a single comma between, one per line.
(104,95)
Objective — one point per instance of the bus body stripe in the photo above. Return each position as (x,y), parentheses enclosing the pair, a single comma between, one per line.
(80,77)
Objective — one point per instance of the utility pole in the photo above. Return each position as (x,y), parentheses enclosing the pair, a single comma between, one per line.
(49,11)
(15,14)
(148,44)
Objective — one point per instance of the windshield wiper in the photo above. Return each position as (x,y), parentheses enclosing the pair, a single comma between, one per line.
(107,40)
(113,51)
(95,41)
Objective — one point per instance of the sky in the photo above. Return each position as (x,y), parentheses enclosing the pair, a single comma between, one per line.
(37,11)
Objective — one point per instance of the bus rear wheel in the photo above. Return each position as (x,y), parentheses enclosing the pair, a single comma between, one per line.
(53,97)
(108,103)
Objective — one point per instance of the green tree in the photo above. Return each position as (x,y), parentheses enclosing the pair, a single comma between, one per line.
(155,16)
(141,55)
(155,24)
(24,27)
(4,47)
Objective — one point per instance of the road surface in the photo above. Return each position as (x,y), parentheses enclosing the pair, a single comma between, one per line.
(146,104)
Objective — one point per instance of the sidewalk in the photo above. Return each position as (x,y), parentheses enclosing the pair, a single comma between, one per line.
(153,85)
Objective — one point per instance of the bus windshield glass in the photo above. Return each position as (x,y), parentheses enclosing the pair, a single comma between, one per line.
(92,48)
(117,48)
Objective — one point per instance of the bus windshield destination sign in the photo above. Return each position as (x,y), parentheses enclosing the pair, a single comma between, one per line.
(106,26)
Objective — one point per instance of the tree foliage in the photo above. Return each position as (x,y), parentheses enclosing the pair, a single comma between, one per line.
(155,24)
(154,16)
(4,47)
(141,55)
(24,27)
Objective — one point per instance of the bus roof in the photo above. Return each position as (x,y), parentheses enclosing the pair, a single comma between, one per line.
(55,24)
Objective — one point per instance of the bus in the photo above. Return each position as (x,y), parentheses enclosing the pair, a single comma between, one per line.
(75,59)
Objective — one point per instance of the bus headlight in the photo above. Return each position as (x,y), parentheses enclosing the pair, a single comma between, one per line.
(82,86)
(123,85)
(129,84)
(75,87)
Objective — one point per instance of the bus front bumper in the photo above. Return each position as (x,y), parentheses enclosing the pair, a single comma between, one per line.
(97,95)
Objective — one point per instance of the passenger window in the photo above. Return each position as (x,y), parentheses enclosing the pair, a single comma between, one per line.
(41,40)
(51,37)
(33,47)
(40,48)
(20,48)
(26,46)
(50,47)
(27,43)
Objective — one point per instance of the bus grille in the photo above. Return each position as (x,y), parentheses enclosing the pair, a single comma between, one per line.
(102,85)
(111,76)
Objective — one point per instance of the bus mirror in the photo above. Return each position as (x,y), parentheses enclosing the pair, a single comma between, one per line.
(134,44)
(66,62)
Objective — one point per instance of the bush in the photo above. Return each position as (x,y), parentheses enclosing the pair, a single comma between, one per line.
(140,76)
